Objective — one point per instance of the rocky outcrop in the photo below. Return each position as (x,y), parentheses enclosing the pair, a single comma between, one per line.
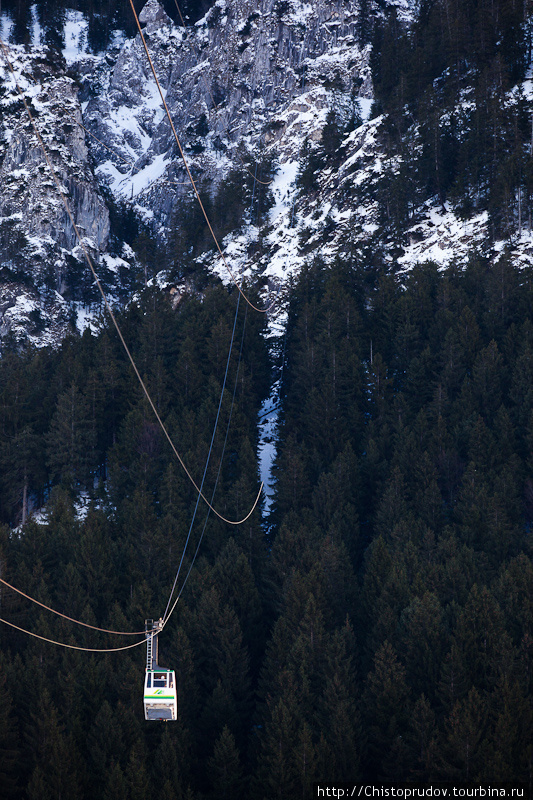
(28,189)
(251,79)
(37,240)
(230,81)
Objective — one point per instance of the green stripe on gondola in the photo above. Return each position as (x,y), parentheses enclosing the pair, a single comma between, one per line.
(159,697)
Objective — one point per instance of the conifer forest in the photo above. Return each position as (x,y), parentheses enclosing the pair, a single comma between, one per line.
(375,621)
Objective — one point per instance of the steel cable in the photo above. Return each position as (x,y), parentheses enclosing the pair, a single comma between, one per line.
(191,179)
(106,303)
(72,646)
(208,456)
(216,481)
(71,619)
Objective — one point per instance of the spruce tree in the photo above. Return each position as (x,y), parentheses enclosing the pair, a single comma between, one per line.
(225,768)
(70,440)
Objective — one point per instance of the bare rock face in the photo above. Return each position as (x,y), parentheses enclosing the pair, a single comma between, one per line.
(234,79)
(37,240)
(28,188)
(253,79)
(153,16)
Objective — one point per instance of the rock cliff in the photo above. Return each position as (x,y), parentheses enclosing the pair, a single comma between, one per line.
(240,77)
(40,263)
(252,82)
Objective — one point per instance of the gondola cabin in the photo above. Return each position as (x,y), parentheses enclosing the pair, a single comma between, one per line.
(160,696)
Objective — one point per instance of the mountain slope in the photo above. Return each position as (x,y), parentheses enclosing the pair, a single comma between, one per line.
(272,108)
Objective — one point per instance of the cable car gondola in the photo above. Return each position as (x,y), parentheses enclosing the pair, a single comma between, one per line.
(160,694)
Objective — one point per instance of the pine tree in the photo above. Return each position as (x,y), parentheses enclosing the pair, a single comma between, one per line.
(224,677)
(339,714)
(225,768)
(105,748)
(424,639)
(9,746)
(70,440)
(116,788)
(236,585)
(53,756)
(487,380)
(462,751)
(311,160)
(515,596)
(508,734)
(481,638)
(21,462)
(331,139)
(379,385)
(386,705)
(306,762)
(392,507)
(173,761)
(422,740)
(136,774)
(278,776)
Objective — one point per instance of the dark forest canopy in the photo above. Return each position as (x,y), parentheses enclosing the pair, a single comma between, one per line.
(382,629)
(378,625)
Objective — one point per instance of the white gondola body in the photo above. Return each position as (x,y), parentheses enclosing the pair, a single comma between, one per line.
(160,696)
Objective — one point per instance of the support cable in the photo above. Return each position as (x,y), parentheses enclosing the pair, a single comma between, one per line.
(216,481)
(208,456)
(72,646)
(193,184)
(71,619)
(108,307)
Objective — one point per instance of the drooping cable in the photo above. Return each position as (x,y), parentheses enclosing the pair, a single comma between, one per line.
(106,303)
(218,476)
(72,646)
(208,456)
(191,179)
(71,619)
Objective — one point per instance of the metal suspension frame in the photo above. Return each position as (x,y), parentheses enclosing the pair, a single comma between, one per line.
(152,631)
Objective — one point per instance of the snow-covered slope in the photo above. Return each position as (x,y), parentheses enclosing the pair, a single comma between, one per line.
(231,80)
(261,79)
(250,80)
(38,245)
